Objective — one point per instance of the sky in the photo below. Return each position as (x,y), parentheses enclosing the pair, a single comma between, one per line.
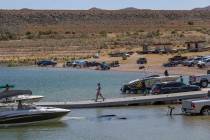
(104,4)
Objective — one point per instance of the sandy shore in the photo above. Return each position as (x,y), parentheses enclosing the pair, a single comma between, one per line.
(154,65)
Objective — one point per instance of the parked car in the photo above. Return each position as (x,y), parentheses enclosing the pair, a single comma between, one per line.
(193,61)
(158,51)
(77,63)
(204,63)
(120,54)
(46,63)
(171,64)
(104,66)
(114,64)
(92,64)
(187,62)
(130,52)
(141,60)
(177,58)
(82,63)
(173,87)
(196,106)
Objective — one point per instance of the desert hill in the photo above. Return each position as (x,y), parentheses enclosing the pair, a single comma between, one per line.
(96,20)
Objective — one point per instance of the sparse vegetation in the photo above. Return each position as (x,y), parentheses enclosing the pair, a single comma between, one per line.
(7,36)
(54,35)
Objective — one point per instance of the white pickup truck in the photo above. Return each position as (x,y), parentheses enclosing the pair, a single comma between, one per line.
(201,80)
(196,106)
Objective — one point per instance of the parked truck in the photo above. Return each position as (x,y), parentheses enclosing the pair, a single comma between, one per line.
(136,85)
(200,80)
(196,106)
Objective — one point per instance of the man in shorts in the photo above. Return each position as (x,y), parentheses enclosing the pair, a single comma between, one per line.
(98,92)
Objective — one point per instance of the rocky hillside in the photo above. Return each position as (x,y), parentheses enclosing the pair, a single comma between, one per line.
(97,20)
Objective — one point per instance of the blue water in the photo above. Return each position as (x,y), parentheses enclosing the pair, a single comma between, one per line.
(139,123)
(59,84)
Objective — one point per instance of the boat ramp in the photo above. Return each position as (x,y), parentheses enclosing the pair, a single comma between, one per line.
(130,101)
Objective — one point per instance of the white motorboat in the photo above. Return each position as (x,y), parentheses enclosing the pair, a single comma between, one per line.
(15,95)
(24,98)
(20,113)
(29,114)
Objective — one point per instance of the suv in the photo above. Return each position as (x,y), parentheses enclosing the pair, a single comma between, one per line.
(204,63)
(200,80)
(173,87)
(192,62)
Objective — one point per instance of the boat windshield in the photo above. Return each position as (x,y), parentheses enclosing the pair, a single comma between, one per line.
(11,107)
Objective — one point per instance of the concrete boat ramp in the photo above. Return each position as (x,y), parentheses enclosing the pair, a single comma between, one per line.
(129,101)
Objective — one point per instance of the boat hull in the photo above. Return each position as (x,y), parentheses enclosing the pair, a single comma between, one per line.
(21,118)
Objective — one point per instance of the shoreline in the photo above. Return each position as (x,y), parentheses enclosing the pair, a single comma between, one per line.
(152,70)
(154,65)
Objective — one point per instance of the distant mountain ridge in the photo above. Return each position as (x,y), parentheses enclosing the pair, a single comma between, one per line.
(95,9)
(130,8)
(204,8)
(123,9)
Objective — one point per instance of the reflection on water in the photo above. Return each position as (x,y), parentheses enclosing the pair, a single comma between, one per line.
(35,126)
(148,123)
(196,121)
(23,132)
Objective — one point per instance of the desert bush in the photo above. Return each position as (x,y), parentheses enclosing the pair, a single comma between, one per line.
(67,32)
(190,23)
(28,33)
(7,36)
(140,30)
(84,35)
(153,34)
(103,33)
(174,32)
(103,46)
(181,35)
(48,32)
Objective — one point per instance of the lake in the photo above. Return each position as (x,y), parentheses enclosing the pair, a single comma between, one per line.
(123,123)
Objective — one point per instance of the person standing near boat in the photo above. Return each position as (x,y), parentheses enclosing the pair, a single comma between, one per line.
(144,88)
(98,92)
(7,87)
(181,79)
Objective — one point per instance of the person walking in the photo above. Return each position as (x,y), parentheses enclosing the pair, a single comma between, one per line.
(98,92)
(166,73)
